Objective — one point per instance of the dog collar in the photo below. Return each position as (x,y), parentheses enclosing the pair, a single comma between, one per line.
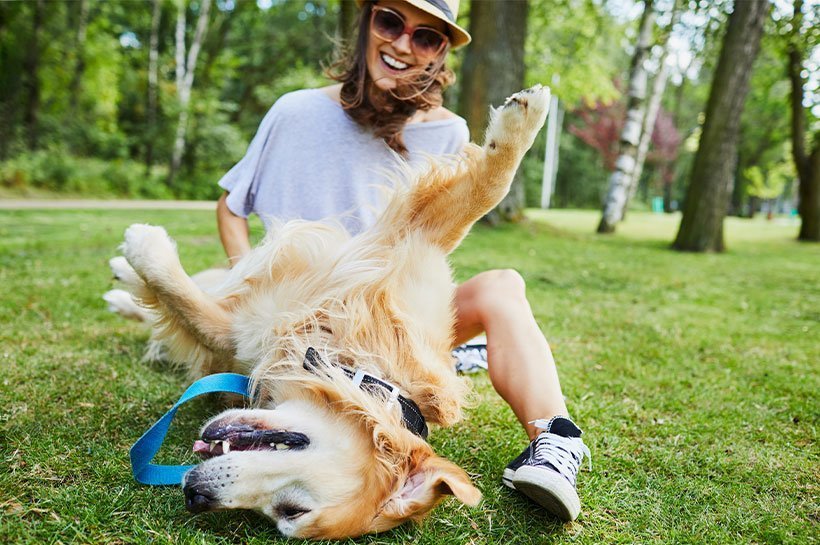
(411,414)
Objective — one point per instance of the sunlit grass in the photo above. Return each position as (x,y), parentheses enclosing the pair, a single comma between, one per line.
(695,378)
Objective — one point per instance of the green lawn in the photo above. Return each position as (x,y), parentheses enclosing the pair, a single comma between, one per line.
(695,378)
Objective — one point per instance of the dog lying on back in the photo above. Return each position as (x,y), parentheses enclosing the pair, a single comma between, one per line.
(314,315)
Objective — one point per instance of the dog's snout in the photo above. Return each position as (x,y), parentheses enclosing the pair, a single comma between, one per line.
(197,499)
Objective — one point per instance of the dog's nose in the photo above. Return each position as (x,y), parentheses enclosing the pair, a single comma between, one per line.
(197,499)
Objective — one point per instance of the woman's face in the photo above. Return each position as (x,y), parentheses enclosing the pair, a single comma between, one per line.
(388,61)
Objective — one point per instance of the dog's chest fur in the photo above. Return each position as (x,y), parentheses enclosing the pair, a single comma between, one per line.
(351,299)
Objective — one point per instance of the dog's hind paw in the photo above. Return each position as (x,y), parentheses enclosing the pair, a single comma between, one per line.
(148,247)
(122,270)
(516,123)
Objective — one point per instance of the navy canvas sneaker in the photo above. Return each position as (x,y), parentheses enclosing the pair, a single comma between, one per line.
(470,358)
(545,472)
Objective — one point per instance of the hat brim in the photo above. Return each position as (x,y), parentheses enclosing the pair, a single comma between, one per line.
(458,36)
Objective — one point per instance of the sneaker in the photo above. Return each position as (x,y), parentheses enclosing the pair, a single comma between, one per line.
(470,358)
(545,472)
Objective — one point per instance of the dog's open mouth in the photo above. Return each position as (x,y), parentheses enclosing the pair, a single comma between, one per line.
(218,440)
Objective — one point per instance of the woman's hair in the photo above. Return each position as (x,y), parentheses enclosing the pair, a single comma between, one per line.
(387,113)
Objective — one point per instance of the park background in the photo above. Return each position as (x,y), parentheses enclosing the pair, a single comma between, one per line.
(695,376)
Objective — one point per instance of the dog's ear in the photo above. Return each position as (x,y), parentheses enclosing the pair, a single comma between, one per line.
(428,482)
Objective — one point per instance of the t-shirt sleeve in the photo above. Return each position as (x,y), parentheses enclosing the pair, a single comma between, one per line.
(241,182)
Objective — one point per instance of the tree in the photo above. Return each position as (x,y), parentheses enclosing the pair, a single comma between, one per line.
(185,69)
(619,180)
(652,110)
(348,14)
(807,163)
(32,75)
(79,62)
(153,84)
(710,182)
(493,69)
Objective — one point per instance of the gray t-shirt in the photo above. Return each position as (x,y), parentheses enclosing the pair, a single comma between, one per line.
(310,161)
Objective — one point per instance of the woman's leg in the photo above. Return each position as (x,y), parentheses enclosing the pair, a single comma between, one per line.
(520,363)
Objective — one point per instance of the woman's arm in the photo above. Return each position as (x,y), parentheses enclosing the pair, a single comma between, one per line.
(233,231)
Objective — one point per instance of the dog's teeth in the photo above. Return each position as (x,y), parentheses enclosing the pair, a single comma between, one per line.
(212,446)
(283,446)
(226,447)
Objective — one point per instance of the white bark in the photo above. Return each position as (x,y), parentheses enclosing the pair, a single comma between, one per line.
(554,121)
(630,134)
(186,77)
(652,110)
(153,82)
(648,127)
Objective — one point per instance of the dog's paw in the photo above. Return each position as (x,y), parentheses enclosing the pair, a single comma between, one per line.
(120,302)
(519,119)
(122,270)
(148,247)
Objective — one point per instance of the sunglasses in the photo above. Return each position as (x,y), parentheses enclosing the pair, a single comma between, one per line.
(390,25)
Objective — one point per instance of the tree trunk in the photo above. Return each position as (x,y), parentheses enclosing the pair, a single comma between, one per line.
(619,180)
(652,110)
(493,69)
(710,183)
(554,123)
(79,62)
(808,166)
(348,15)
(32,78)
(153,84)
(186,77)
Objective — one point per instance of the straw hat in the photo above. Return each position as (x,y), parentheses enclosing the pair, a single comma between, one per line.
(444,10)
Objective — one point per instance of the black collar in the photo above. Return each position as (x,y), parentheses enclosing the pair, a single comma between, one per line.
(410,412)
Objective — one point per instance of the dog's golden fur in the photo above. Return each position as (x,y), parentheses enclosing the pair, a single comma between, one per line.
(379,301)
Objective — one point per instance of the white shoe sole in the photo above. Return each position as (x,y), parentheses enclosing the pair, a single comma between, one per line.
(507,478)
(548,489)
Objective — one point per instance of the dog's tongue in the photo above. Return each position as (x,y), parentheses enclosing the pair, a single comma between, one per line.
(201,447)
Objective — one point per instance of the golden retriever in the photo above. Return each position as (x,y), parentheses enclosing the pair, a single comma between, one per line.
(320,455)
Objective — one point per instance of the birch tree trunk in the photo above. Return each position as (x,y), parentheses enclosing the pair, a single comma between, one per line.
(185,77)
(554,122)
(153,83)
(619,180)
(808,164)
(493,69)
(651,116)
(652,109)
(710,183)
(79,51)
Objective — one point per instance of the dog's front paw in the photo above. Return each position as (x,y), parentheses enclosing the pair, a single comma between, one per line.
(148,247)
(516,123)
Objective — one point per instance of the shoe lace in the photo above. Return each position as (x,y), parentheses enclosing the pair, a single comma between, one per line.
(470,358)
(565,453)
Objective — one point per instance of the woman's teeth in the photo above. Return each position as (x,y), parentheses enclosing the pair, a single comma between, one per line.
(393,63)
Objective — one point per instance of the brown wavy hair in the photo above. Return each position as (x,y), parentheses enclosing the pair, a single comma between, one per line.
(386,114)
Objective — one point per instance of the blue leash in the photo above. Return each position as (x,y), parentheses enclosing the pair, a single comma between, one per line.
(147,446)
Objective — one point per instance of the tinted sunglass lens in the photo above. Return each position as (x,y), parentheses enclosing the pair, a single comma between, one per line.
(427,41)
(388,24)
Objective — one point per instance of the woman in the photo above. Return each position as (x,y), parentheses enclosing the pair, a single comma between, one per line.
(316,155)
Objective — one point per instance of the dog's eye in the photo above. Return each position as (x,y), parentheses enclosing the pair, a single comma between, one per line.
(291,511)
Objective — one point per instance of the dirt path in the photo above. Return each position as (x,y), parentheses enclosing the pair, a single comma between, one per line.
(30,204)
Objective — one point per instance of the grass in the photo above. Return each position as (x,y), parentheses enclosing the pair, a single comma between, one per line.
(695,378)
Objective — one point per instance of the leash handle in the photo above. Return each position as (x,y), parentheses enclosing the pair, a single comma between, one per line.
(147,446)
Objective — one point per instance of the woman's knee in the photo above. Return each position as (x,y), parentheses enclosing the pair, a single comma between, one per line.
(501,287)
